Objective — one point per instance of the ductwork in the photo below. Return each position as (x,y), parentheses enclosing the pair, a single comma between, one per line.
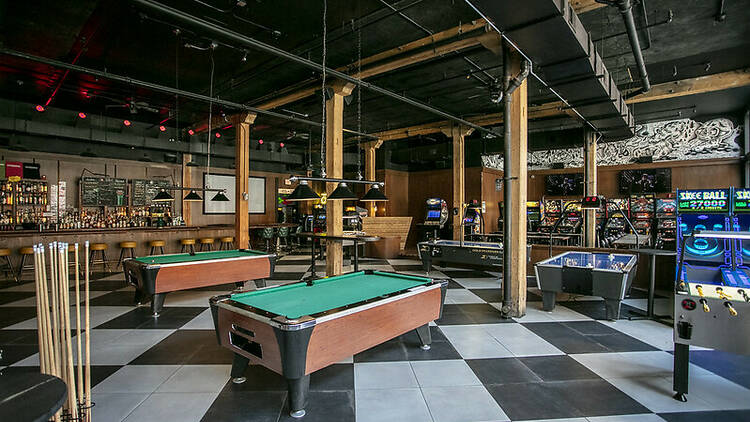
(626,10)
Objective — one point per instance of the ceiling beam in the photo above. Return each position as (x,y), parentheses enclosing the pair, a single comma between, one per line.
(692,86)
(583,6)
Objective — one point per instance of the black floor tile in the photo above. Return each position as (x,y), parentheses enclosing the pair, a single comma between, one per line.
(390,351)
(407,347)
(533,400)
(13,315)
(467,274)
(710,416)
(325,406)
(186,347)
(533,297)
(244,406)
(105,285)
(489,295)
(337,377)
(502,371)
(19,337)
(608,337)
(453,285)
(286,262)
(558,368)
(372,261)
(475,313)
(258,378)
(597,398)
(9,297)
(115,299)
(284,275)
(12,353)
(590,327)
(564,338)
(142,318)
(412,268)
(595,309)
(733,367)
(226,287)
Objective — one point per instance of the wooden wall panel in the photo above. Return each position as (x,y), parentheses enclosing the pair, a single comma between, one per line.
(397,191)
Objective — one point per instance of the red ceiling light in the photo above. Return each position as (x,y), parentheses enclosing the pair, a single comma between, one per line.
(191,132)
(281,145)
(82,115)
(218,135)
(40,108)
(162,128)
(126,122)
(226,127)
(260,142)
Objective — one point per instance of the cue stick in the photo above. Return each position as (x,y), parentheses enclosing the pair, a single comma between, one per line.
(79,378)
(45,314)
(88,338)
(64,269)
(64,322)
(39,321)
(55,310)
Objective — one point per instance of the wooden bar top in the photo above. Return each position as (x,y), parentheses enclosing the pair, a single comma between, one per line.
(113,230)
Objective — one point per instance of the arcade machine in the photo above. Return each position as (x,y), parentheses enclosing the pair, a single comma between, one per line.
(472,219)
(666,224)
(741,219)
(712,287)
(500,223)
(435,218)
(352,220)
(533,216)
(642,213)
(615,224)
(552,211)
(571,219)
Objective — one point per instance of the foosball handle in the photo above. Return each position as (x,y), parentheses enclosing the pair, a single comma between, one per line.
(744,295)
(732,311)
(705,305)
(720,292)
(700,291)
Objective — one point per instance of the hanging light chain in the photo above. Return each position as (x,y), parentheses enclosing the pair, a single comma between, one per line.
(359,100)
(323,94)
(210,110)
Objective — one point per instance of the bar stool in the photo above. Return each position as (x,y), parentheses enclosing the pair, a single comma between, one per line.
(227,243)
(206,243)
(283,234)
(127,246)
(8,267)
(24,252)
(187,243)
(101,248)
(157,244)
(267,234)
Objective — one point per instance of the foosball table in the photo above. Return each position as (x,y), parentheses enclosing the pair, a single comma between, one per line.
(711,304)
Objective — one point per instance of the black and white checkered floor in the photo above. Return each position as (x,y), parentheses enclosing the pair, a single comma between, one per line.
(567,365)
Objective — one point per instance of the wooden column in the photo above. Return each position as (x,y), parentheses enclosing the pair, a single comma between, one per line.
(242,124)
(187,180)
(590,186)
(335,169)
(518,170)
(370,151)
(457,134)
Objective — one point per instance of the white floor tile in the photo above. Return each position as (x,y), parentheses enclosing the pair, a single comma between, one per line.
(401,261)
(98,314)
(461,296)
(191,297)
(534,313)
(183,407)
(649,332)
(384,375)
(197,379)
(655,393)
(136,379)
(473,342)
(631,364)
(31,301)
(649,417)
(461,404)
(114,407)
(393,405)
(520,340)
(204,321)
(444,373)
(478,283)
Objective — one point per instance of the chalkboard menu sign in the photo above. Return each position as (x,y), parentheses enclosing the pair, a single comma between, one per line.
(145,190)
(104,192)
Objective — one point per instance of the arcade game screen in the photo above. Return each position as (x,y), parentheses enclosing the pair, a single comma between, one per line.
(646,181)
(563,184)
(702,210)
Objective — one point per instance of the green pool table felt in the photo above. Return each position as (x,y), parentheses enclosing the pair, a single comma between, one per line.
(199,256)
(299,299)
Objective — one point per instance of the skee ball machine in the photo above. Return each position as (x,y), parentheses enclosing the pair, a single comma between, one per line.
(712,288)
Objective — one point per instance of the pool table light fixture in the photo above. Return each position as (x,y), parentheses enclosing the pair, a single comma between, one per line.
(341,193)
(220,197)
(303,193)
(163,196)
(374,194)
(192,197)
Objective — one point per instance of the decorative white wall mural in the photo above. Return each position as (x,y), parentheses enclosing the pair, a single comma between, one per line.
(683,139)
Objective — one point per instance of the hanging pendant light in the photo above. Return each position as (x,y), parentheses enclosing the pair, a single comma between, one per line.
(303,193)
(341,193)
(192,197)
(374,194)
(220,197)
(163,196)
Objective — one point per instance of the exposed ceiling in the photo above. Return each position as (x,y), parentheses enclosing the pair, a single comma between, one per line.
(684,39)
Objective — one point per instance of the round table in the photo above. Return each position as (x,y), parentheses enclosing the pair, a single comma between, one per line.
(30,397)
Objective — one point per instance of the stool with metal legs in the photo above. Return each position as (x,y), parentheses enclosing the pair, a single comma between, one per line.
(8,264)
(226,243)
(188,244)
(268,234)
(157,244)
(23,265)
(101,248)
(207,243)
(126,247)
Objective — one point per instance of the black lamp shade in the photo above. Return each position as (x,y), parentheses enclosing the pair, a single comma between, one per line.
(374,194)
(341,193)
(303,193)
(192,196)
(220,197)
(163,196)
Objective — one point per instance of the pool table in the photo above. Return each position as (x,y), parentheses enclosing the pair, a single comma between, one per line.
(299,328)
(154,276)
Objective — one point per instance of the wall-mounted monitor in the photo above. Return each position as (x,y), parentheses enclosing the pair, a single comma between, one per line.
(646,181)
(563,184)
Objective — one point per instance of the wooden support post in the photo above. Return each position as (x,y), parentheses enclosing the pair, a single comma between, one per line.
(590,186)
(518,170)
(242,124)
(335,169)
(370,151)
(457,134)
(186,181)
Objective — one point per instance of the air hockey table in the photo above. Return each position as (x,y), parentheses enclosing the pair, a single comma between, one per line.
(592,274)
(482,255)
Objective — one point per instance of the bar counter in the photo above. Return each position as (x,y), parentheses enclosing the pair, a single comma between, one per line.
(172,235)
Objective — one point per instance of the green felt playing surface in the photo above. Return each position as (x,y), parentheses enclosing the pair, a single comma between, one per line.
(299,299)
(199,256)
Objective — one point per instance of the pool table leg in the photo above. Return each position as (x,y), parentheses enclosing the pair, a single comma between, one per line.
(239,364)
(425,336)
(298,388)
(157,303)
(612,307)
(548,300)
(260,283)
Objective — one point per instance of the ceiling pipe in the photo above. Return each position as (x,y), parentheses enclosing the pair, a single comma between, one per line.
(626,10)
(244,40)
(166,89)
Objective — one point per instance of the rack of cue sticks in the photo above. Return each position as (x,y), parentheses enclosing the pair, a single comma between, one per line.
(54,326)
